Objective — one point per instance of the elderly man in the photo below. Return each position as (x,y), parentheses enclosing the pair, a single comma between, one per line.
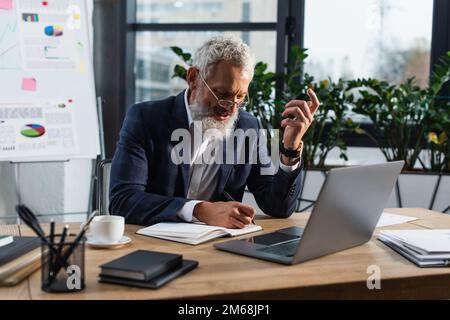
(148,186)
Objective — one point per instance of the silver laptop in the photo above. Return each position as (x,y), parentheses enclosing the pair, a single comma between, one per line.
(345,215)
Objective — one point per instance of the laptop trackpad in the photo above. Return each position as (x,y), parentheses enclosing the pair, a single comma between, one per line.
(273,238)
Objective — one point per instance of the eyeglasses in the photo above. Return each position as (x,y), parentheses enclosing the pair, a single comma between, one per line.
(226,104)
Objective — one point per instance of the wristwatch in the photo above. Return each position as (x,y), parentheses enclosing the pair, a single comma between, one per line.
(291,153)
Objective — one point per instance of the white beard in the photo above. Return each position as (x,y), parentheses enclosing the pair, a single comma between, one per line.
(219,129)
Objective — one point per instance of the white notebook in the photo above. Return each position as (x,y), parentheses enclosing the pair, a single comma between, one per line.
(193,233)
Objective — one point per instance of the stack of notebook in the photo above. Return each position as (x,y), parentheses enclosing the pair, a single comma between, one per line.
(18,259)
(426,248)
(148,269)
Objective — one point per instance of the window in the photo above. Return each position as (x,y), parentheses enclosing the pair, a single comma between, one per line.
(385,39)
(168,11)
(154,60)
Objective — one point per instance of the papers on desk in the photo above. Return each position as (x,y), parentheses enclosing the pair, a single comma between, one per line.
(426,248)
(389,219)
(5,240)
(192,233)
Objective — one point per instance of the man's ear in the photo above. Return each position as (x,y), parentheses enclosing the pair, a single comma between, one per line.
(191,78)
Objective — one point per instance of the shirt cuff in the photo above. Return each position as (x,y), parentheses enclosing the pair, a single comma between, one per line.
(186,213)
(288,169)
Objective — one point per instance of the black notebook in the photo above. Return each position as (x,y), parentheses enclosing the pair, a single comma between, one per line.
(17,248)
(141,265)
(156,282)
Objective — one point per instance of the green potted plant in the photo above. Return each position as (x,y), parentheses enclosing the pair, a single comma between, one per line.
(438,153)
(397,114)
(438,119)
(437,139)
(405,120)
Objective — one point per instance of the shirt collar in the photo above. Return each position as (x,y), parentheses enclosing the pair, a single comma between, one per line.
(188,109)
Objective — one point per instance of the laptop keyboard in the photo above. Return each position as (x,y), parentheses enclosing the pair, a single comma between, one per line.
(287,249)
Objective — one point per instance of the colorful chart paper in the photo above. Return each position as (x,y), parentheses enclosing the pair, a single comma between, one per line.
(32,131)
(54,31)
(30,17)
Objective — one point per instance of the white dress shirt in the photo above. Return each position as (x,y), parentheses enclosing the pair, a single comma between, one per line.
(203,177)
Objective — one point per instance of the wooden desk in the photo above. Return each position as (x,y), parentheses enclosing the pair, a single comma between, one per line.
(225,275)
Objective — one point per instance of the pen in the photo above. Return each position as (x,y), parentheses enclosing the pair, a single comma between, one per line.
(230,198)
(63,238)
(52,241)
(52,230)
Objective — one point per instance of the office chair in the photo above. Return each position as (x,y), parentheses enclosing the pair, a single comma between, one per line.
(103,177)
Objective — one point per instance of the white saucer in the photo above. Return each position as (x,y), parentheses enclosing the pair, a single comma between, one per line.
(94,244)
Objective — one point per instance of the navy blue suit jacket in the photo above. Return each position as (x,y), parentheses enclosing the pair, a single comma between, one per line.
(147,187)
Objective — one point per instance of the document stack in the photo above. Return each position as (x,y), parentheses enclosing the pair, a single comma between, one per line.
(18,259)
(426,248)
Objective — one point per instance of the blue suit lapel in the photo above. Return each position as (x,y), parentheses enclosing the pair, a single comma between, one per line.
(180,121)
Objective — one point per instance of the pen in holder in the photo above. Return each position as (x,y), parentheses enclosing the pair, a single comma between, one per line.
(57,277)
(62,262)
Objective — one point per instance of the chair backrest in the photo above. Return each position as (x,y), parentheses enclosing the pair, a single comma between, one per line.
(103,177)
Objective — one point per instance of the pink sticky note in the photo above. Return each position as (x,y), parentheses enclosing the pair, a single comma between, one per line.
(29,84)
(6,4)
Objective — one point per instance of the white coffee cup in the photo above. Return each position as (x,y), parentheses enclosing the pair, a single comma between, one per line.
(107,229)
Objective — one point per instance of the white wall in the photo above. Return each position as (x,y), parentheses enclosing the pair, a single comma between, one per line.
(7,193)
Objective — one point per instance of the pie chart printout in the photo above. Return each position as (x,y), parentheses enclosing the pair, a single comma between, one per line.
(32,131)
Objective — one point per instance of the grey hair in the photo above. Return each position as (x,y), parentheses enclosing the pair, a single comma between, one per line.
(220,48)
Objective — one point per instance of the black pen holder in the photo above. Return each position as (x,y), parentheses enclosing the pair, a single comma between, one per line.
(62,267)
